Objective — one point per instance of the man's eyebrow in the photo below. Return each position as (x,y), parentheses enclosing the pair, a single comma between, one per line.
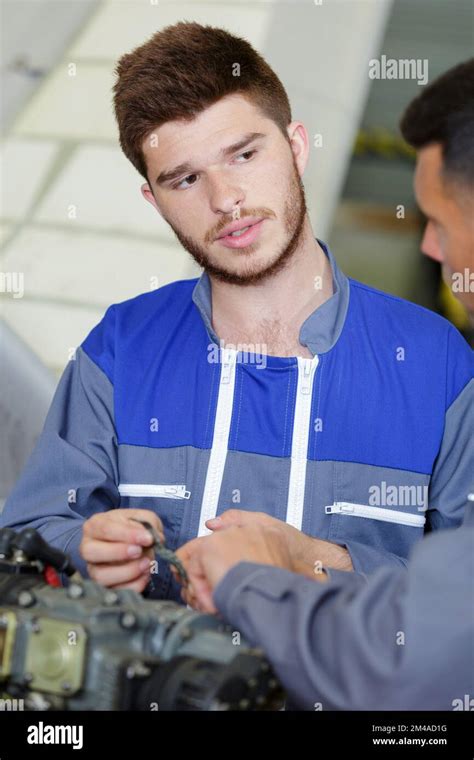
(246,140)
(186,168)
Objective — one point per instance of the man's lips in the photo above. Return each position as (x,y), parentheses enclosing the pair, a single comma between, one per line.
(253,225)
(239,224)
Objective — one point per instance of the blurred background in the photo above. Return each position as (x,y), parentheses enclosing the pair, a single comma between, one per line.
(76,234)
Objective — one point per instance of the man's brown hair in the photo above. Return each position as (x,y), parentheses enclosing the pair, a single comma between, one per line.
(182,70)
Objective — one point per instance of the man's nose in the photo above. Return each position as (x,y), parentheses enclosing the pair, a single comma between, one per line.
(430,245)
(224,195)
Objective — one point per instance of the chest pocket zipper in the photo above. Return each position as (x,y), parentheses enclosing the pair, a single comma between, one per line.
(149,489)
(375,513)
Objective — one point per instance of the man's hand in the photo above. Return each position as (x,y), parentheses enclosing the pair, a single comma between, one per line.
(309,555)
(209,558)
(115,547)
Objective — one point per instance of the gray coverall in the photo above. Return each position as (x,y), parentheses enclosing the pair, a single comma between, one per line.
(399,639)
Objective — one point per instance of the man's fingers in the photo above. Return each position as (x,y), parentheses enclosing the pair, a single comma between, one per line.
(184,553)
(200,584)
(111,575)
(96,551)
(118,529)
(148,516)
(120,525)
(239,518)
(226,519)
(203,596)
(138,585)
(187,596)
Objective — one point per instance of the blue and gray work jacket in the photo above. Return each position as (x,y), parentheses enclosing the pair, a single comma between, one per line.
(368,444)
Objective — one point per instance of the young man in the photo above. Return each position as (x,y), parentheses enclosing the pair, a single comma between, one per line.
(401,639)
(342,417)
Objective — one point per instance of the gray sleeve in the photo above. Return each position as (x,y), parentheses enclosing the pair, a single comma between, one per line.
(368,559)
(453,473)
(399,640)
(72,472)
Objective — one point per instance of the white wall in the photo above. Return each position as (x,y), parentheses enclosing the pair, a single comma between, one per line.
(73,220)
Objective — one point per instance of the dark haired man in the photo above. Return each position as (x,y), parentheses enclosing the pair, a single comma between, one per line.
(439,123)
(348,432)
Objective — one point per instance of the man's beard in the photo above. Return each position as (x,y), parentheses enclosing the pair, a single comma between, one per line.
(294,216)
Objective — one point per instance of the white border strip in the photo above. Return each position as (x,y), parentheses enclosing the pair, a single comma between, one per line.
(150,489)
(220,441)
(375,513)
(299,445)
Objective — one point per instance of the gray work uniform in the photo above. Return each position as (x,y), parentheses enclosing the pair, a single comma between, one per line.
(399,639)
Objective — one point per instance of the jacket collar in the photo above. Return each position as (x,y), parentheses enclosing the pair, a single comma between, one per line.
(319,332)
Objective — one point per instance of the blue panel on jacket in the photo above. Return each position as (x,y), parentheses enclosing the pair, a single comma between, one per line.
(161,369)
(379,398)
(385,389)
(264,406)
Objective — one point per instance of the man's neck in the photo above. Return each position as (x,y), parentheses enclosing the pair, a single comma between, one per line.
(270,313)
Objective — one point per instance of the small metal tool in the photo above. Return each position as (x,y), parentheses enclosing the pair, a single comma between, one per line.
(167,554)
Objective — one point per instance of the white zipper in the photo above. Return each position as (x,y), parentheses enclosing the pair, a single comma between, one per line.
(220,441)
(375,513)
(149,489)
(299,444)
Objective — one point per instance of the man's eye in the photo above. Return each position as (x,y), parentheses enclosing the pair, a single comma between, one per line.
(247,156)
(190,179)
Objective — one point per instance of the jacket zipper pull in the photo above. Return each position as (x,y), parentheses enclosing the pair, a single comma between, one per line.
(337,509)
(227,361)
(308,367)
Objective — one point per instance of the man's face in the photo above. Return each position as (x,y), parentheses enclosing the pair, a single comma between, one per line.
(231,165)
(449,208)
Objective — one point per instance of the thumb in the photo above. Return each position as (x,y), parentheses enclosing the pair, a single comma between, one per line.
(225,520)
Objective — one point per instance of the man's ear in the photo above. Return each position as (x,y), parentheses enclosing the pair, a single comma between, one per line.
(148,195)
(299,143)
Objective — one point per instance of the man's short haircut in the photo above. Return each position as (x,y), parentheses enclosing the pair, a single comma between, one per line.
(444,113)
(182,70)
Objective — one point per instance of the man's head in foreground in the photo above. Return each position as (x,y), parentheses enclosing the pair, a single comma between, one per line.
(439,123)
(207,123)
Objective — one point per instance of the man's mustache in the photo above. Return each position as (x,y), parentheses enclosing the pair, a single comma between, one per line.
(262,213)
